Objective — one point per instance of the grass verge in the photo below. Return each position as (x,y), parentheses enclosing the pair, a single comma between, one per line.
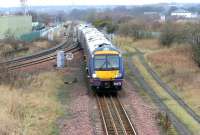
(178,70)
(31,110)
(192,125)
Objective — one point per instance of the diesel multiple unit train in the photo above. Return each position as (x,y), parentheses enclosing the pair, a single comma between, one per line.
(104,61)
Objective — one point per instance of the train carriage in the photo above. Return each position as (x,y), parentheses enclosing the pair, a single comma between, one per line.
(104,61)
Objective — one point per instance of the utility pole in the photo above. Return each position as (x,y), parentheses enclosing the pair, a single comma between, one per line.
(24,6)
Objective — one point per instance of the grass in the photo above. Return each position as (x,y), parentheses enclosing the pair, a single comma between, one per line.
(129,44)
(13,48)
(193,126)
(177,68)
(124,43)
(31,110)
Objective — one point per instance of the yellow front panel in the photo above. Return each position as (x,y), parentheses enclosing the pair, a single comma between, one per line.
(107,75)
(106,52)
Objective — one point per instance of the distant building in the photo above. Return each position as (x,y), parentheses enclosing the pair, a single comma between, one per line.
(183,13)
(35,24)
(15,26)
(154,16)
(162,18)
(151,13)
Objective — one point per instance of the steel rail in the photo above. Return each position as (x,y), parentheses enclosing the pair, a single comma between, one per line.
(111,116)
(36,55)
(41,53)
(127,117)
(118,115)
(39,61)
(44,56)
(102,116)
(114,116)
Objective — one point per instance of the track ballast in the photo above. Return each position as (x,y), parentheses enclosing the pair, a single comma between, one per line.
(114,117)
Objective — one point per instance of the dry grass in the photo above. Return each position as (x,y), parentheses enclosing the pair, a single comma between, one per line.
(125,43)
(18,48)
(30,111)
(147,44)
(192,124)
(129,44)
(39,45)
(179,70)
(175,65)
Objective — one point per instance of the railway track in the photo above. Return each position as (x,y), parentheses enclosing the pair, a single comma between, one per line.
(37,55)
(44,52)
(114,117)
(41,60)
(168,89)
(180,127)
(47,55)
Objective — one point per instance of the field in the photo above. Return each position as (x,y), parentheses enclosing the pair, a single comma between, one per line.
(30,105)
(178,69)
(175,66)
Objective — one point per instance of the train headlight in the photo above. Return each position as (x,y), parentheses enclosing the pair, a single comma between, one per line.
(94,75)
(119,75)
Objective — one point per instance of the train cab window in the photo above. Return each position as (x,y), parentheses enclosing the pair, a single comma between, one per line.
(106,62)
(112,61)
(100,62)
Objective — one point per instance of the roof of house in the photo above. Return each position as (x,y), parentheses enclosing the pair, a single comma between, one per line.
(180,11)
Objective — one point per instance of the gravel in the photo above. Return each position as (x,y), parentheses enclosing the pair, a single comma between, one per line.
(79,122)
(142,114)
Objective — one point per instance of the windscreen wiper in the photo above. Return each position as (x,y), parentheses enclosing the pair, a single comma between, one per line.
(102,65)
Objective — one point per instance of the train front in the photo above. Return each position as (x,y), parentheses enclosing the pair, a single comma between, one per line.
(108,70)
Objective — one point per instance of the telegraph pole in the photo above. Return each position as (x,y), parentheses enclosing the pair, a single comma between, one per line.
(24,6)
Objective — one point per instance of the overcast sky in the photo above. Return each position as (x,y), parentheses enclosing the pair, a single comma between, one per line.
(14,3)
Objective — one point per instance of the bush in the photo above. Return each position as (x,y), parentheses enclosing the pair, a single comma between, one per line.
(6,77)
(133,29)
(168,35)
(195,42)
(105,23)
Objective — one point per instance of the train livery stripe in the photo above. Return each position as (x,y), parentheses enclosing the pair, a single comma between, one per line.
(107,75)
(106,52)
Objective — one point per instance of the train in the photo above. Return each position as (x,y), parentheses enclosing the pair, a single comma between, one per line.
(104,62)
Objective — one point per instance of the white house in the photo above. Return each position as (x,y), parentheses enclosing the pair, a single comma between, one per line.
(162,18)
(183,13)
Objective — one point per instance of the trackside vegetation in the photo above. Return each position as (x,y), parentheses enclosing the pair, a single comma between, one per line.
(192,124)
(30,105)
(182,33)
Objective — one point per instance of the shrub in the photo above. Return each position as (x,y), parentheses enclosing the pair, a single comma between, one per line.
(195,42)
(133,29)
(167,35)
(105,23)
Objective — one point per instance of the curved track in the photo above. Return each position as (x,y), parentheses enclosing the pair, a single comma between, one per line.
(37,55)
(44,52)
(68,45)
(114,117)
(41,60)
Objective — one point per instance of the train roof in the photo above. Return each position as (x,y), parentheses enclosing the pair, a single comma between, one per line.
(95,39)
